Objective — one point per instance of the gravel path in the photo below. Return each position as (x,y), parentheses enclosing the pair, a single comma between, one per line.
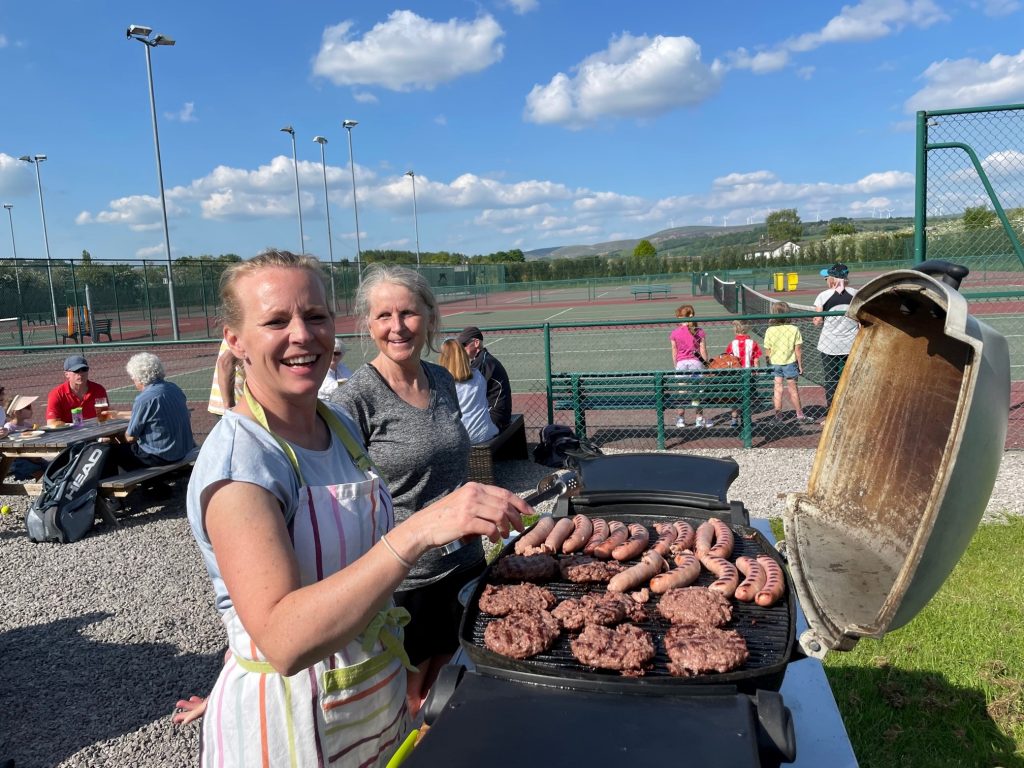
(99,638)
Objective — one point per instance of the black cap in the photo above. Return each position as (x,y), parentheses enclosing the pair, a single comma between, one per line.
(836,270)
(468,333)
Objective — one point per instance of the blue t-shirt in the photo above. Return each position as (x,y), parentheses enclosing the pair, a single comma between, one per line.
(240,449)
(160,421)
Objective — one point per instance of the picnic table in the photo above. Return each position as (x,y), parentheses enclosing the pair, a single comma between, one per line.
(46,443)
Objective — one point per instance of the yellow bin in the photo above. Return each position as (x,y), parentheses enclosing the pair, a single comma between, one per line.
(792,279)
(779,281)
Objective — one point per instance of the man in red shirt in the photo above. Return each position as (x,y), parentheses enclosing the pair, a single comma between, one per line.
(76,392)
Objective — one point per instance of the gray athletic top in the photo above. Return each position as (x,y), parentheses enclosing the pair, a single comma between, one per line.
(422,453)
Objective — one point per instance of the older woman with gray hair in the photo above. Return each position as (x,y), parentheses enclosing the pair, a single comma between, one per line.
(159,429)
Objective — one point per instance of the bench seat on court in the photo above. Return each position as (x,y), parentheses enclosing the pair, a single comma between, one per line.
(510,443)
(121,485)
(100,328)
(649,290)
(747,389)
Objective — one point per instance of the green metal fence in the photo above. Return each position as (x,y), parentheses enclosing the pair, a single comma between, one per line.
(538,357)
(970,191)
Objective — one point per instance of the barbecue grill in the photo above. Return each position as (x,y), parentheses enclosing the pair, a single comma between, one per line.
(910,449)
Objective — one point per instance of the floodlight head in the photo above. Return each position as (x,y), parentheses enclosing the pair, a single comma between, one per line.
(26,158)
(138,29)
(163,40)
(289,129)
(40,158)
(350,124)
(320,140)
(411,173)
(8,206)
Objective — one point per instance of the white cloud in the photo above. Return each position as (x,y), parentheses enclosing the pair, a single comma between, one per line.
(140,213)
(364,97)
(151,250)
(601,202)
(870,20)
(3,41)
(633,77)
(805,73)
(970,83)
(734,179)
(759,63)
(1001,7)
(187,114)
(441,120)
(408,52)
(1006,163)
(523,6)
(871,205)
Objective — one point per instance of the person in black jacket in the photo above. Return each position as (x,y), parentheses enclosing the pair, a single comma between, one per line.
(499,391)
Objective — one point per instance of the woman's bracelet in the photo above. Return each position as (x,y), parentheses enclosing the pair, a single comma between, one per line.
(393,551)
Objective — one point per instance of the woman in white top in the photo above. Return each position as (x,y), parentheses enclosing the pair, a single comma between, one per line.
(337,374)
(471,388)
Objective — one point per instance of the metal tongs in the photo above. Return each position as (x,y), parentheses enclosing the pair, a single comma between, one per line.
(566,485)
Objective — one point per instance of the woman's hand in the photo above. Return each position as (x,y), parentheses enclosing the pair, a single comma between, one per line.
(474,509)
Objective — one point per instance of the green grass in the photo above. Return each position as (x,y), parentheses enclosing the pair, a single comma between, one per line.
(948,688)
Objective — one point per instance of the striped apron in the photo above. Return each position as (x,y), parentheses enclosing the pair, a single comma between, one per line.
(348,709)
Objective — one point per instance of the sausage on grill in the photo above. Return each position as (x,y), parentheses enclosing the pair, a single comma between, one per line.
(754,581)
(683,575)
(724,541)
(599,535)
(728,576)
(651,564)
(684,535)
(583,529)
(667,534)
(705,535)
(536,535)
(639,537)
(617,534)
(774,584)
(563,530)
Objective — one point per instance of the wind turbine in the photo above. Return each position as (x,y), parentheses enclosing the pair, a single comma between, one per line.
(889,212)
(725,221)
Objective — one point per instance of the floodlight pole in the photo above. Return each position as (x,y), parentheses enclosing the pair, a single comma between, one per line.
(142,34)
(415,216)
(349,125)
(322,141)
(36,160)
(298,198)
(14,248)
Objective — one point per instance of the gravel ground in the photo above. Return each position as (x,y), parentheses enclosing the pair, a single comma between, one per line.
(99,638)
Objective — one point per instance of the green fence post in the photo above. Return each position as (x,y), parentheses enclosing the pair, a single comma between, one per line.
(659,407)
(579,414)
(747,410)
(921,189)
(547,372)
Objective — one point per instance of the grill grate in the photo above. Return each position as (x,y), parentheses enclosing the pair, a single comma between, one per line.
(768,632)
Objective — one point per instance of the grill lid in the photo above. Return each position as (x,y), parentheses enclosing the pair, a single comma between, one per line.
(907,459)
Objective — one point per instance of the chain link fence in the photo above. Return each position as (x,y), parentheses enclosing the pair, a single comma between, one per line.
(614,383)
(970,206)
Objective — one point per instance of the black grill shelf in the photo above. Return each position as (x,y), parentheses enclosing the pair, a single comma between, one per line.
(768,632)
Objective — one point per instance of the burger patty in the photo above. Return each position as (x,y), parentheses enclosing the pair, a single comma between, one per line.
(604,609)
(583,569)
(503,600)
(525,568)
(694,650)
(522,634)
(626,648)
(695,605)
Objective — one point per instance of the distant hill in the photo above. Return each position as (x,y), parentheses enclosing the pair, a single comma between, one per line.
(666,240)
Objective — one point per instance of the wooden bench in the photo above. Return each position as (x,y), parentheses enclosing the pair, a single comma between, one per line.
(649,290)
(100,328)
(121,485)
(746,389)
(510,443)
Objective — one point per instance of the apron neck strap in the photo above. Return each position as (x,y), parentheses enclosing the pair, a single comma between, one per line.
(352,446)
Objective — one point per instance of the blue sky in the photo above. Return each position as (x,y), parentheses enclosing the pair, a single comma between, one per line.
(528,123)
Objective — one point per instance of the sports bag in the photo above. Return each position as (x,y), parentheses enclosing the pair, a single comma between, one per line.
(66,508)
(725,360)
(560,448)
